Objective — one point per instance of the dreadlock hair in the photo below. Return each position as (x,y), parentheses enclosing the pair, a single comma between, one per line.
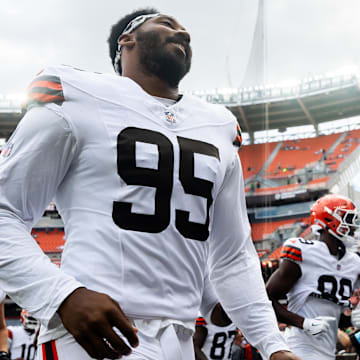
(119,27)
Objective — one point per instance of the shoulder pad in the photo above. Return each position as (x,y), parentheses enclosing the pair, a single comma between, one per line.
(44,89)
(200,321)
(238,138)
(291,250)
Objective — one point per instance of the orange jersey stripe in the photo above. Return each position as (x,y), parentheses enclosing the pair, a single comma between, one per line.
(46,84)
(200,321)
(292,250)
(44,98)
(54,351)
(238,138)
(290,256)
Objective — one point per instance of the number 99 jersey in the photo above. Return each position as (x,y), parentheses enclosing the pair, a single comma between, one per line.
(135,183)
(324,288)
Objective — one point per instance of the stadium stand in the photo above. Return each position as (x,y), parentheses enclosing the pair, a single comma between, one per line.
(277,189)
(254,156)
(297,154)
(259,231)
(50,241)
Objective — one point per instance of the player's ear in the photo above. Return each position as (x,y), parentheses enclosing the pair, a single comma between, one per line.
(127,40)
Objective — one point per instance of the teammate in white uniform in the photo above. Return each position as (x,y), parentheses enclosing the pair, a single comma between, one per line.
(318,278)
(21,338)
(150,193)
(212,341)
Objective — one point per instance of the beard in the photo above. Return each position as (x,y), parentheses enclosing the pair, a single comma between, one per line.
(161,62)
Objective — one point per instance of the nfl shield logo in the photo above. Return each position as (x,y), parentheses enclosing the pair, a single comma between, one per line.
(7,150)
(170,117)
(338,267)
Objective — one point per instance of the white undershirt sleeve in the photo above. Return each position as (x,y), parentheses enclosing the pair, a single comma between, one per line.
(36,159)
(235,268)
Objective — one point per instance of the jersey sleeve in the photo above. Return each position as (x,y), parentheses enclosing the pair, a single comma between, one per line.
(200,321)
(291,250)
(235,268)
(238,138)
(41,151)
(44,89)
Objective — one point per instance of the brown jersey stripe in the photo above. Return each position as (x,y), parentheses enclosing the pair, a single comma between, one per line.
(49,78)
(47,91)
(45,84)
(49,351)
(292,249)
(290,256)
(291,252)
(238,139)
(44,98)
(200,321)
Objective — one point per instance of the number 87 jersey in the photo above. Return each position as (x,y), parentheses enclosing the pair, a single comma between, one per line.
(136,184)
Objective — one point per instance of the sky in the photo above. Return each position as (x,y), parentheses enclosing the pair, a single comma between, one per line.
(304,37)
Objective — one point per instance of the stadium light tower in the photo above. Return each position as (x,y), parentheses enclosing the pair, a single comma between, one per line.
(255,73)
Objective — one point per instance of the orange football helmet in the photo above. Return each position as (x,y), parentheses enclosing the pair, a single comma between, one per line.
(338,216)
(29,322)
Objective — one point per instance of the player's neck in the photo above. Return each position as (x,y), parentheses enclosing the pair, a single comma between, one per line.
(154,85)
(332,247)
(335,247)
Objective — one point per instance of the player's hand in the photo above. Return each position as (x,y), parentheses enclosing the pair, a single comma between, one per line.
(90,317)
(284,355)
(4,355)
(319,326)
(355,298)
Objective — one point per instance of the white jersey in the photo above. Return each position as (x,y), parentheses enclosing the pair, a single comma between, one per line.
(323,289)
(2,296)
(21,343)
(219,339)
(149,196)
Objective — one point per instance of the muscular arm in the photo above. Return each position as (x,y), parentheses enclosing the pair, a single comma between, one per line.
(235,268)
(199,341)
(279,284)
(219,316)
(43,148)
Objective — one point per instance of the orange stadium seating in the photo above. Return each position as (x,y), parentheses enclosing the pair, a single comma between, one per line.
(296,154)
(254,156)
(317,182)
(260,230)
(275,255)
(277,189)
(49,241)
(344,149)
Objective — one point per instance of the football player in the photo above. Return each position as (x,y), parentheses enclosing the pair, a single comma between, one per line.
(149,185)
(21,338)
(318,278)
(213,341)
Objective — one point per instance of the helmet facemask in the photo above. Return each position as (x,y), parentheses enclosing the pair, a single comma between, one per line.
(29,322)
(343,225)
